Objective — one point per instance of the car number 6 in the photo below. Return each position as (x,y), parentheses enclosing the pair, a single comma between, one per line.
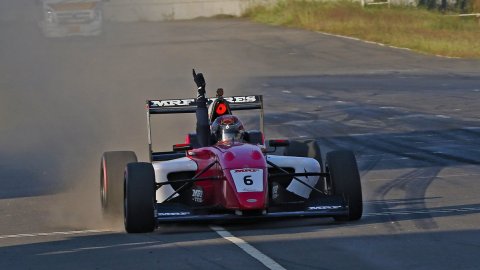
(247,179)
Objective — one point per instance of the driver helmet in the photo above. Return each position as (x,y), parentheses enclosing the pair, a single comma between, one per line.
(227,128)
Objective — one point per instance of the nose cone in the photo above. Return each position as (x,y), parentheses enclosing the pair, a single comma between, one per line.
(256,155)
(245,169)
(229,156)
(239,156)
(250,187)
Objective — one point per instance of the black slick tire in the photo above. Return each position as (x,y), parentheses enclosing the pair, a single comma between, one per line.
(112,170)
(139,198)
(345,178)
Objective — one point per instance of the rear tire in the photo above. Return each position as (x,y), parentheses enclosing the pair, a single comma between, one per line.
(139,198)
(345,179)
(111,182)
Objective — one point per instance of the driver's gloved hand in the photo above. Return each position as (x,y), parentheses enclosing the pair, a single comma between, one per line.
(200,82)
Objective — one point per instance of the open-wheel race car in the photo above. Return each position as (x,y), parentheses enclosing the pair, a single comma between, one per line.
(225,172)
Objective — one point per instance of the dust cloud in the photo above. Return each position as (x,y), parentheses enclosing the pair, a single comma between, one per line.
(63,102)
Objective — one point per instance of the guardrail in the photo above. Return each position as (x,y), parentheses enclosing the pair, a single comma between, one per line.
(477,15)
(370,2)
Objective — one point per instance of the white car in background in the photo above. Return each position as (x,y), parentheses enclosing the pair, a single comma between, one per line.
(63,18)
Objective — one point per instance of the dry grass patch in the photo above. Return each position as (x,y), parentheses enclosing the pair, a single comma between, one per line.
(414,28)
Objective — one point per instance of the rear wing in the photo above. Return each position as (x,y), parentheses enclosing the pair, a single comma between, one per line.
(175,106)
(189,105)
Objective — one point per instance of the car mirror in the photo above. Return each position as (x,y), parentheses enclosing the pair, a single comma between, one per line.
(278,143)
(182,147)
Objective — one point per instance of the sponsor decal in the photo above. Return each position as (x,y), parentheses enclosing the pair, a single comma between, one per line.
(245,99)
(174,214)
(187,102)
(245,170)
(325,207)
(248,180)
(275,192)
(197,194)
(170,103)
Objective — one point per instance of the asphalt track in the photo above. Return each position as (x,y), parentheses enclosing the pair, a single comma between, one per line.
(411,119)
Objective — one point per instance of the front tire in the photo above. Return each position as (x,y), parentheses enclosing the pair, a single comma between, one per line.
(111,182)
(345,178)
(139,198)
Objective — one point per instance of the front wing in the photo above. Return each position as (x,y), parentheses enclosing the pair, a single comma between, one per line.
(330,206)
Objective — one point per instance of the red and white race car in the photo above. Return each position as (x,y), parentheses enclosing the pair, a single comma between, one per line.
(228,173)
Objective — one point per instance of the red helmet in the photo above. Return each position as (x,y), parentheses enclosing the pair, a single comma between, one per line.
(227,128)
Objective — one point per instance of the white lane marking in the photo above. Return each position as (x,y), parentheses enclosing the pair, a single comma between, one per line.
(361,134)
(388,154)
(426,177)
(383,159)
(250,250)
(380,44)
(427,211)
(22,235)
(99,247)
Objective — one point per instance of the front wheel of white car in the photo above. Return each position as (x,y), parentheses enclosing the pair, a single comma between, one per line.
(139,198)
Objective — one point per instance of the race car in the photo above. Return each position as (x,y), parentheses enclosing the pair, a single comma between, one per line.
(225,172)
(62,18)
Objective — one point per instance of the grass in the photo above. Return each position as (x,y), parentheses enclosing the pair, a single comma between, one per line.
(415,28)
